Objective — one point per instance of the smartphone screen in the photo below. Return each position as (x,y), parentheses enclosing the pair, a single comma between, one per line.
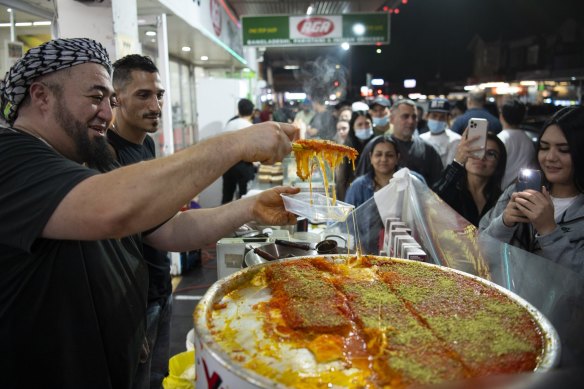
(478,126)
(529,179)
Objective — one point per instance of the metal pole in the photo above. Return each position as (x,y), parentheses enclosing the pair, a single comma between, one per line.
(12,31)
(168,147)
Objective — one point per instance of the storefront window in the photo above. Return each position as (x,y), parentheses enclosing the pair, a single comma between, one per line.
(182,105)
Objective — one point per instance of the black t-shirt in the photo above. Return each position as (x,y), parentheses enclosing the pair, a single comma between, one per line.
(453,190)
(128,152)
(72,313)
(159,282)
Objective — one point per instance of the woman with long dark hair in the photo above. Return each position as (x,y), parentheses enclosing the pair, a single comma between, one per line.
(384,158)
(548,222)
(360,132)
(470,185)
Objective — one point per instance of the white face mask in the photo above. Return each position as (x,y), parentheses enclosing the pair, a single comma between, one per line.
(436,126)
(381,121)
(364,133)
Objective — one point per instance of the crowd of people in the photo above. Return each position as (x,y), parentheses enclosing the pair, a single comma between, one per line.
(439,150)
(432,141)
(84,228)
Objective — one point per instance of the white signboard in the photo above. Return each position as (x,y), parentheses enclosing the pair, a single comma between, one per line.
(311,27)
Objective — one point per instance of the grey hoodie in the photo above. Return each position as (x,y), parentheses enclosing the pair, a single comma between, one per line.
(564,245)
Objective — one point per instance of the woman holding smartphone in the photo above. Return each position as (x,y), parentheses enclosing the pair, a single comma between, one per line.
(472,185)
(548,222)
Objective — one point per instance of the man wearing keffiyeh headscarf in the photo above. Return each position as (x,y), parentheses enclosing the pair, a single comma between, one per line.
(46,59)
(47,65)
(74,282)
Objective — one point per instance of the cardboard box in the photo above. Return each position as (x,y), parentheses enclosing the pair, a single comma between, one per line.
(402,251)
(393,234)
(386,229)
(388,222)
(399,241)
(415,254)
(392,225)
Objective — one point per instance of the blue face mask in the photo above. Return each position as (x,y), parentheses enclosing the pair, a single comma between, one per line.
(380,122)
(436,126)
(364,133)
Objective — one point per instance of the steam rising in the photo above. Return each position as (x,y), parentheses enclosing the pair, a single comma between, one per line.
(318,79)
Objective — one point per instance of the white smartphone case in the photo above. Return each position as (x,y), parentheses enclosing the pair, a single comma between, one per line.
(478,126)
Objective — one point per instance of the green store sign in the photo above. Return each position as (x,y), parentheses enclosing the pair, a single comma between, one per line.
(318,30)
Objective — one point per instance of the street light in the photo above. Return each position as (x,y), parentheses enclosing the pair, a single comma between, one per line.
(358,29)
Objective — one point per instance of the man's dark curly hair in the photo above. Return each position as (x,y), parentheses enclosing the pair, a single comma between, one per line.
(124,66)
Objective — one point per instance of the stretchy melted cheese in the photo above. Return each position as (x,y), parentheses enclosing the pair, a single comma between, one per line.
(371,322)
(325,152)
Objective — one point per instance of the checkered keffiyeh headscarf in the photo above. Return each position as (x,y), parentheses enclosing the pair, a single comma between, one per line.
(47,58)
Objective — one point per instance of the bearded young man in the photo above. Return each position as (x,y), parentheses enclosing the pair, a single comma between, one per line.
(74,283)
(139,100)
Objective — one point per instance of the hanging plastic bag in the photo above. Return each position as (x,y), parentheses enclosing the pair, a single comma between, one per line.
(181,369)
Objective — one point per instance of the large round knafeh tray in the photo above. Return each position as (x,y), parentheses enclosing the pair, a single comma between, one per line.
(215,361)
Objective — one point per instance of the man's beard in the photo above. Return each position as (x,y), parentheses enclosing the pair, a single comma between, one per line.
(95,153)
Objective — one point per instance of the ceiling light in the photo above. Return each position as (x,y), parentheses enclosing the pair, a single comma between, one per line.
(150,33)
(378,51)
(345,46)
(23,24)
(310,10)
(291,67)
(8,9)
(42,23)
(186,48)
(204,58)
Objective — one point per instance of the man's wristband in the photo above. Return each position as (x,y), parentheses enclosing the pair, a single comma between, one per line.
(455,161)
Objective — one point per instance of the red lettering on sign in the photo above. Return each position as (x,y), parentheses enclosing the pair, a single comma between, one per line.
(315,27)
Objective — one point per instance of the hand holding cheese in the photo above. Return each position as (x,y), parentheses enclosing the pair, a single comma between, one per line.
(267,142)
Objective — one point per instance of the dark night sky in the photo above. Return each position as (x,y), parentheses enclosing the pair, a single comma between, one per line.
(431,37)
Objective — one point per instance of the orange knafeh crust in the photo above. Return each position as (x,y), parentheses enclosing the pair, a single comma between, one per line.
(331,152)
(397,323)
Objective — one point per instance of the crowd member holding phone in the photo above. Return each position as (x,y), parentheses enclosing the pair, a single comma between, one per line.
(550,221)
(471,183)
